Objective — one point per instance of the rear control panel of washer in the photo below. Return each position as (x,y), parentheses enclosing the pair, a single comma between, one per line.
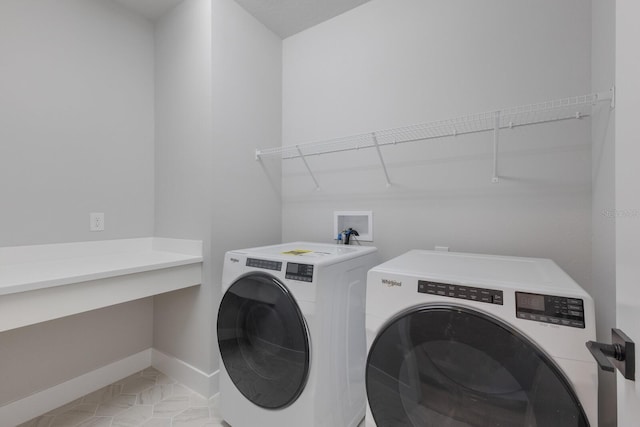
(552,309)
(490,296)
(264,263)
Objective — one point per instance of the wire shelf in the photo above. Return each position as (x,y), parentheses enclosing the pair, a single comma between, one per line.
(549,111)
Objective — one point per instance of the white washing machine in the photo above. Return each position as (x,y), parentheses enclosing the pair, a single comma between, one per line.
(291,335)
(460,339)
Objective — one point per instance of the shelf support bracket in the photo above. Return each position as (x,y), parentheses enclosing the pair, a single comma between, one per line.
(496,140)
(308,168)
(613,97)
(384,166)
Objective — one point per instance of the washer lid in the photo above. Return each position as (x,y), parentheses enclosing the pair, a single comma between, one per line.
(439,365)
(533,274)
(307,252)
(263,340)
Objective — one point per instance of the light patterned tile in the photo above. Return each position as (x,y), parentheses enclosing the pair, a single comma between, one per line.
(215,423)
(137,385)
(155,394)
(171,406)
(164,379)
(104,394)
(75,415)
(157,422)
(196,400)
(116,405)
(148,398)
(192,417)
(133,417)
(97,422)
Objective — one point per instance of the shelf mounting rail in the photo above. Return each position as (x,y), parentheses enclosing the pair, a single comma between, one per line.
(575,107)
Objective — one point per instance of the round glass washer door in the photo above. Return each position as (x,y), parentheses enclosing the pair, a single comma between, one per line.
(263,341)
(448,366)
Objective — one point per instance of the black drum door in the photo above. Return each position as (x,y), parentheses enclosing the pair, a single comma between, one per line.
(263,341)
(446,366)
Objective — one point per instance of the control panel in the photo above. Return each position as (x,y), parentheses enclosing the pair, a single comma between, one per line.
(550,309)
(490,296)
(302,272)
(264,263)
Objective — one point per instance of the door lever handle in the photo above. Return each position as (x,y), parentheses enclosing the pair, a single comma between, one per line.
(622,351)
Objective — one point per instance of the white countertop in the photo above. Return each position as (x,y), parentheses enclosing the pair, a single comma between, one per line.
(29,276)
(88,275)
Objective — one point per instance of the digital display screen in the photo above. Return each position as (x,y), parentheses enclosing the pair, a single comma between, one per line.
(530,301)
(292,268)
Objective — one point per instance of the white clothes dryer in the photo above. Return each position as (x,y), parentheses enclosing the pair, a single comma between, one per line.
(291,335)
(460,339)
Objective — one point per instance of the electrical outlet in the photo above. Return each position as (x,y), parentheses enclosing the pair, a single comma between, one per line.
(96,221)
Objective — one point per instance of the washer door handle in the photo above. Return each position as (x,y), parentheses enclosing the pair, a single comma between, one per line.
(622,350)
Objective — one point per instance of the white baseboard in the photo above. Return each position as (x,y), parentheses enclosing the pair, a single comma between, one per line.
(44,401)
(186,374)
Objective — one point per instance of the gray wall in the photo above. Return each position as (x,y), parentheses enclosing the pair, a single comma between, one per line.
(76,136)
(47,354)
(218,97)
(603,215)
(392,63)
(247,113)
(184,151)
(76,121)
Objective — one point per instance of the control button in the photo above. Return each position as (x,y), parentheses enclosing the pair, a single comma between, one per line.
(574,301)
(543,319)
(576,324)
(565,322)
(555,320)
(576,313)
(448,290)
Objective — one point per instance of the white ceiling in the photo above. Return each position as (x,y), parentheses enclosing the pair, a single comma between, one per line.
(283,17)
(288,17)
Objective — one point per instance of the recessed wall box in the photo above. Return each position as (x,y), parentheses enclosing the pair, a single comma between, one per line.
(361,221)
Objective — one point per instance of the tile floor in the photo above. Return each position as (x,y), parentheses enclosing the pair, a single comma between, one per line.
(148,398)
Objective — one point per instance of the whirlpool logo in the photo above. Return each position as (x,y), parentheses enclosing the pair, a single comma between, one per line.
(391,283)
